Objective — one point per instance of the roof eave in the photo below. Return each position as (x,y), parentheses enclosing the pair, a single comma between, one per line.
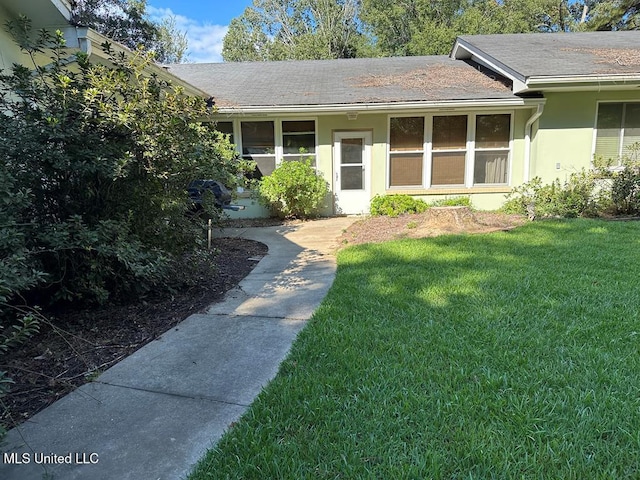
(362,108)
(582,82)
(463,50)
(64,7)
(90,42)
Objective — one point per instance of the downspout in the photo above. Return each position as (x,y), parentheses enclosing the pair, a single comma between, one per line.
(528,127)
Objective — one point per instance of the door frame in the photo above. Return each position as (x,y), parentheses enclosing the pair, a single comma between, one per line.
(365,195)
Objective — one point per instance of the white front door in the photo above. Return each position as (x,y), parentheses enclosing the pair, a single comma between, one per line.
(352,179)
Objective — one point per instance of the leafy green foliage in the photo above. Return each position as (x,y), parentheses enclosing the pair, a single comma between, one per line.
(295,29)
(307,29)
(625,191)
(394,205)
(576,197)
(604,190)
(452,202)
(613,14)
(94,163)
(294,189)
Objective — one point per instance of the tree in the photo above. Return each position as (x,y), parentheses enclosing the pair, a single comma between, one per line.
(295,29)
(613,15)
(426,27)
(411,27)
(99,157)
(126,22)
(172,43)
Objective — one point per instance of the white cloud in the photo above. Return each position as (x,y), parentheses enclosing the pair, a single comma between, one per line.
(204,39)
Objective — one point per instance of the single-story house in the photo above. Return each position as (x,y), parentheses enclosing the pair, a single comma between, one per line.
(496,112)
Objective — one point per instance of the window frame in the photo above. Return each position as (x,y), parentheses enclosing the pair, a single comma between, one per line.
(470,151)
(279,154)
(282,157)
(506,149)
(618,163)
(252,156)
(423,151)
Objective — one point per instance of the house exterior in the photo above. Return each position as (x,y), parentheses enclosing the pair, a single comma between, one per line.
(496,112)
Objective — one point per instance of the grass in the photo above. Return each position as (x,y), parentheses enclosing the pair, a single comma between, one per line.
(510,355)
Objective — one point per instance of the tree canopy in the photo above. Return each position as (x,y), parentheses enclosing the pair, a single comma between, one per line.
(302,29)
(295,29)
(126,22)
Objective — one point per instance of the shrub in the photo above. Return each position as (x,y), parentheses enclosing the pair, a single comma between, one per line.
(576,197)
(625,191)
(394,205)
(625,183)
(452,202)
(94,163)
(293,190)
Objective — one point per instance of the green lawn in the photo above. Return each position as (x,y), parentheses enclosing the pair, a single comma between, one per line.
(510,355)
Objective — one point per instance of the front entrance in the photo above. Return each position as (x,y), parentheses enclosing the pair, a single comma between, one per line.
(352,180)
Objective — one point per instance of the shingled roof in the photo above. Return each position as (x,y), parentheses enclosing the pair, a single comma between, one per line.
(524,56)
(342,82)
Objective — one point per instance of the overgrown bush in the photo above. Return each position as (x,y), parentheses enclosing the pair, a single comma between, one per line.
(576,197)
(394,205)
(293,190)
(95,160)
(94,164)
(624,182)
(452,202)
(625,191)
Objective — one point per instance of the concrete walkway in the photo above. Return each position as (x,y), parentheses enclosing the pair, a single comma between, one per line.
(153,415)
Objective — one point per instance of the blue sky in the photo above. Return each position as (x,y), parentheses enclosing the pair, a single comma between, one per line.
(205,21)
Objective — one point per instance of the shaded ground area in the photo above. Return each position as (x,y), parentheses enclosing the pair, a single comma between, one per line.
(57,361)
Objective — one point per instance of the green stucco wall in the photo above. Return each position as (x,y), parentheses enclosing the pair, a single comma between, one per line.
(377,124)
(563,142)
(9,51)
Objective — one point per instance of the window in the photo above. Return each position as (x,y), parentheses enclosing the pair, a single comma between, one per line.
(492,149)
(456,151)
(299,140)
(449,150)
(258,144)
(226,128)
(618,127)
(269,143)
(406,145)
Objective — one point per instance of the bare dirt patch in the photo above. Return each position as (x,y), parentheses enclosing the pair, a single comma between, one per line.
(433,222)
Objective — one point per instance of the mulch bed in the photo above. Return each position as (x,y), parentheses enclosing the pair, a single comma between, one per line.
(421,225)
(59,359)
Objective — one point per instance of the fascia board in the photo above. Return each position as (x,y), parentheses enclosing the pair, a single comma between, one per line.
(463,50)
(362,108)
(64,8)
(583,82)
(90,42)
